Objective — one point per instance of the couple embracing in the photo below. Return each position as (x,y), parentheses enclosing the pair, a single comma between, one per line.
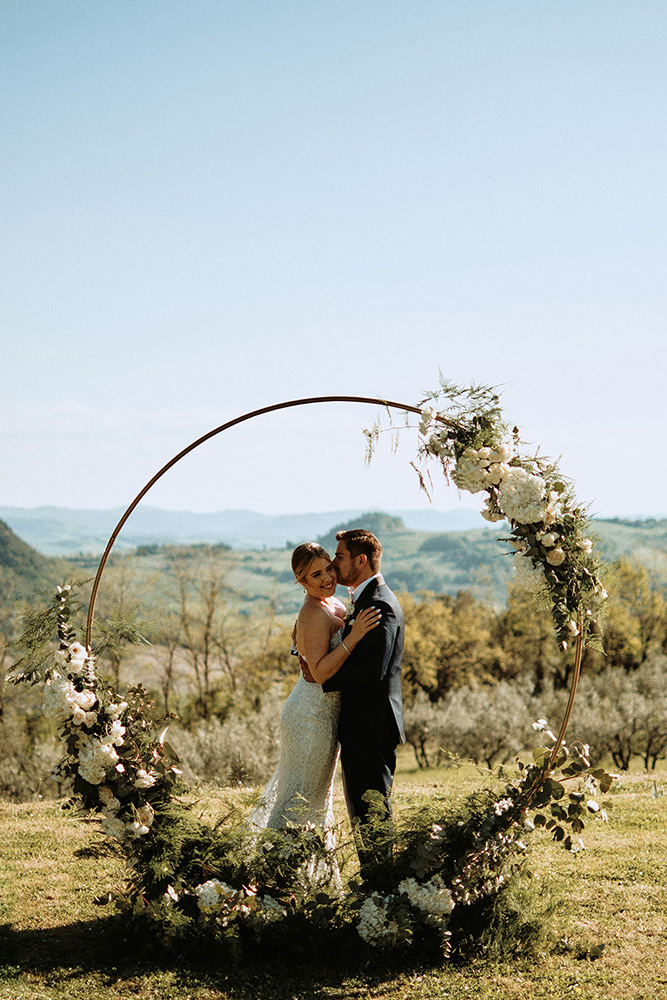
(347,697)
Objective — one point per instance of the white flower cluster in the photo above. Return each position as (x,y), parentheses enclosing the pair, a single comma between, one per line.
(516,494)
(96,758)
(62,702)
(439,443)
(73,658)
(269,910)
(120,829)
(479,468)
(374,928)
(432,897)
(522,496)
(212,894)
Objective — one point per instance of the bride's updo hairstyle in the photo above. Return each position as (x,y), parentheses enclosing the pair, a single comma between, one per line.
(303,556)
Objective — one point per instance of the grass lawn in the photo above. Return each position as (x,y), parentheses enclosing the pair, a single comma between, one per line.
(56,941)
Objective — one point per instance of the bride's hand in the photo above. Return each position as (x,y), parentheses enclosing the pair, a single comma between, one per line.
(363,623)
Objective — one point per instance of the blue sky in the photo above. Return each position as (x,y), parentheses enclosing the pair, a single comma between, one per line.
(209,207)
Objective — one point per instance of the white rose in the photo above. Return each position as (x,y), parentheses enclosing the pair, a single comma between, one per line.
(85,699)
(556,557)
(136,829)
(586,545)
(549,539)
(144,779)
(146,814)
(115,735)
(496,472)
(502,453)
(78,716)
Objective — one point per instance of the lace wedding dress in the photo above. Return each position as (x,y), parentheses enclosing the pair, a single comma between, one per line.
(300,792)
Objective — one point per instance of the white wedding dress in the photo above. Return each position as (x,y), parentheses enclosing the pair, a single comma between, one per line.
(300,792)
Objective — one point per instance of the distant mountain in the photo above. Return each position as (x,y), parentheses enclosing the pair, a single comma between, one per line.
(23,571)
(382,526)
(60,531)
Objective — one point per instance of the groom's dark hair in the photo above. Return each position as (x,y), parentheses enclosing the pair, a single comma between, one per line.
(361,542)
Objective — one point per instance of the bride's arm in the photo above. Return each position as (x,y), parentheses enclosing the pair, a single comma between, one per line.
(314,635)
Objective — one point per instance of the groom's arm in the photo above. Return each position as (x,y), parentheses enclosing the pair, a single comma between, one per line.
(370,659)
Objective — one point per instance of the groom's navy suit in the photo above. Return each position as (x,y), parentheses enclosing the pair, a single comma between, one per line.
(371,713)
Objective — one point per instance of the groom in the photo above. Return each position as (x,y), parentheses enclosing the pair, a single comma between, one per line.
(371,714)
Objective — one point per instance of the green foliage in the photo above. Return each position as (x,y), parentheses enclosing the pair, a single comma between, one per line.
(242,888)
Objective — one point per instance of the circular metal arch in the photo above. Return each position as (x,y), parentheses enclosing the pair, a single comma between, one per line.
(372,400)
(406,407)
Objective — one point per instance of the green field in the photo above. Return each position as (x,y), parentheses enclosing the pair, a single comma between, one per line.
(608,938)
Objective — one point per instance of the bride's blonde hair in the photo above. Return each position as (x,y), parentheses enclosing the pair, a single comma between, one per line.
(303,556)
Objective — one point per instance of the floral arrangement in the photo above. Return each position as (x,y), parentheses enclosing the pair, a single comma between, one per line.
(113,762)
(446,880)
(463,431)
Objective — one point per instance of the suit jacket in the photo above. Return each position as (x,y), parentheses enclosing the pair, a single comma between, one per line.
(370,679)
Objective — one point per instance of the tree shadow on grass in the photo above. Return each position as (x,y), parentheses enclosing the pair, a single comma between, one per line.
(117,949)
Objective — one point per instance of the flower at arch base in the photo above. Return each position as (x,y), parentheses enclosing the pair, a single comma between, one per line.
(375,927)
(433,898)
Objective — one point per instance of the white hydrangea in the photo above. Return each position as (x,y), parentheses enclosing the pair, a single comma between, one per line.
(212,894)
(62,702)
(482,468)
(374,927)
(269,909)
(470,471)
(95,759)
(522,496)
(58,702)
(432,897)
(496,473)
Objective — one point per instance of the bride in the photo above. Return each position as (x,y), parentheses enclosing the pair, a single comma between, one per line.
(300,792)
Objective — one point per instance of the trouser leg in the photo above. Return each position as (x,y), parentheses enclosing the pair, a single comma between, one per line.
(368,775)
